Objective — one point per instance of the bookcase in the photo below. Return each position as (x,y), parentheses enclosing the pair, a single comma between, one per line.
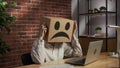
(93,18)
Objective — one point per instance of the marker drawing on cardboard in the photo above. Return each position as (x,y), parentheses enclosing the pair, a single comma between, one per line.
(59,29)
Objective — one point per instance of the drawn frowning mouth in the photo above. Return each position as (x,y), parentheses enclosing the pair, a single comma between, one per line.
(60,34)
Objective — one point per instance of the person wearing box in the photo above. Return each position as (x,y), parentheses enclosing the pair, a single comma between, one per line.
(43,51)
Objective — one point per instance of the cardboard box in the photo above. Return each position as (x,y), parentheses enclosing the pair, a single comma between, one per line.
(59,29)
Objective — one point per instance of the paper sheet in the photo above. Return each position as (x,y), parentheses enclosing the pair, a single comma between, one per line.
(58,66)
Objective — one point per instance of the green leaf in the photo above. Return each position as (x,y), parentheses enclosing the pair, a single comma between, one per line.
(5,20)
(4,3)
(12,19)
(2,8)
(3,47)
(14,4)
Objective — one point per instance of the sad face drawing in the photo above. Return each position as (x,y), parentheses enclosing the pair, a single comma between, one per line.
(59,29)
(61,33)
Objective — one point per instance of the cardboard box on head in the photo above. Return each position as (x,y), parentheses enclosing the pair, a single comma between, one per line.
(59,29)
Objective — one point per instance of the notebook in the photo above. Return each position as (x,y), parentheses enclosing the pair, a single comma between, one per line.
(93,53)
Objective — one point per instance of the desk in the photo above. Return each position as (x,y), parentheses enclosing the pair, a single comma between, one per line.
(104,61)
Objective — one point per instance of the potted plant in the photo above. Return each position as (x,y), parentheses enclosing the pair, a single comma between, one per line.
(90,11)
(98,29)
(96,10)
(103,9)
(5,19)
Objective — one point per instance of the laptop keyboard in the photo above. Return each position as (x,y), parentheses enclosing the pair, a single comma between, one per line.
(78,60)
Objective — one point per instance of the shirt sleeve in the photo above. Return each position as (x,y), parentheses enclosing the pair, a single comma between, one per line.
(77,50)
(73,49)
(38,51)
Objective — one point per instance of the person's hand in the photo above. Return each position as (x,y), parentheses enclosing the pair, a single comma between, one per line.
(75,29)
(44,31)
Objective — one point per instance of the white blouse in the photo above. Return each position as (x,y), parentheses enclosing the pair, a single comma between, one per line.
(43,52)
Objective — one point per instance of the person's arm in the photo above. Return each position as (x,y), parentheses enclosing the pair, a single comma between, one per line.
(77,50)
(74,49)
(38,50)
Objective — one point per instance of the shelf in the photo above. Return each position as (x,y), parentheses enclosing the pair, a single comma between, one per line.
(99,13)
(88,22)
(96,37)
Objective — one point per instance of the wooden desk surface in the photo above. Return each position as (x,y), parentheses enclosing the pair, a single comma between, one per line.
(104,61)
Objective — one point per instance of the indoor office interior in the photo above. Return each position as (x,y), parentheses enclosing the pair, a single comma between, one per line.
(20,26)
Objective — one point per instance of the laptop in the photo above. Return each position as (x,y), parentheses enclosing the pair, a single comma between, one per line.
(93,53)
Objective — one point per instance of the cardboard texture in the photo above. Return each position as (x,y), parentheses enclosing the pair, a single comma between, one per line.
(59,29)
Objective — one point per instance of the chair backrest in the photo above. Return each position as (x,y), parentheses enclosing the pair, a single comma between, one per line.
(26,59)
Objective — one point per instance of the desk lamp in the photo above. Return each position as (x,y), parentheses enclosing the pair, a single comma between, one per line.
(118,40)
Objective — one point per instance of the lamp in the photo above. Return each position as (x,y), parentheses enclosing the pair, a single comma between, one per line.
(118,40)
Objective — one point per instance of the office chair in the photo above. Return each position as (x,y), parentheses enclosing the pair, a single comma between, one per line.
(26,59)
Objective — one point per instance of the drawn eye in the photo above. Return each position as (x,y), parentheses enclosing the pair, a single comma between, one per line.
(67,26)
(57,25)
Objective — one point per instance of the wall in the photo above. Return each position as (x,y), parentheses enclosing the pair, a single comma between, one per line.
(26,28)
(82,9)
(118,12)
(74,13)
